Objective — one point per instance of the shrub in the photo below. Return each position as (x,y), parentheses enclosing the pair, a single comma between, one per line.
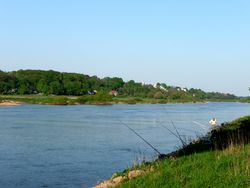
(101,97)
(60,101)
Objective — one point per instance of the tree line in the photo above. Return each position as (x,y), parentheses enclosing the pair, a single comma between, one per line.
(50,82)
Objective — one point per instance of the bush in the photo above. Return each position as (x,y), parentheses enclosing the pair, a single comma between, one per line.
(60,101)
(236,132)
(101,97)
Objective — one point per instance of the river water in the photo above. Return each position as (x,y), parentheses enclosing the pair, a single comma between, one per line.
(78,146)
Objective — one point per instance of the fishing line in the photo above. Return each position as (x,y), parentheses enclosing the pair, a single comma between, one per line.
(160,154)
(178,135)
(183,143)
(161,124)
(201,125)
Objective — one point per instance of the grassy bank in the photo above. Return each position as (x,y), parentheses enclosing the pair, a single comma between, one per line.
(37,99)
(227,168)
(59,100)
(245,100)
(224,161)
(138,100)
(100,98)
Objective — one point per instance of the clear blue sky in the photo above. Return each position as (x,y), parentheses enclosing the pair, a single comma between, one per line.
(201,44)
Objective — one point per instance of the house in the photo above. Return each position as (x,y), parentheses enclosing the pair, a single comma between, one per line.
(113,93)
(92,92)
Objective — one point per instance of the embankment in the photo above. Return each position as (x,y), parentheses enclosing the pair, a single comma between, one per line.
(219,159)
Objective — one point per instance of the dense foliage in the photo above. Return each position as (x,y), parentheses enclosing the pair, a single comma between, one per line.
(100,97)
(61,83)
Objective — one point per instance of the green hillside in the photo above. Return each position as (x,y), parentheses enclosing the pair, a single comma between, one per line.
(40,82)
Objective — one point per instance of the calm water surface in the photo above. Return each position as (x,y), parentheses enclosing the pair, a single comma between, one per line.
(77,146)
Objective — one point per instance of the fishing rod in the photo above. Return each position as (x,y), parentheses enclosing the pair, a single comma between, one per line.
(185,129)
(161,124)
(183,143)
(176,135)
(160,155)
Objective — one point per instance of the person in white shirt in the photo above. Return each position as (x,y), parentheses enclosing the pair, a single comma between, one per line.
(213,122)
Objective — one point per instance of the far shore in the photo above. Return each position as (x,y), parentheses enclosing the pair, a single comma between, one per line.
(18,103)
(10,103)
(15,100)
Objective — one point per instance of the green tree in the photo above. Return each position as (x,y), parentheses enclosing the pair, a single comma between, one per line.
(23,89)
(72,88)
(42,87)
(113,83)
(56,88)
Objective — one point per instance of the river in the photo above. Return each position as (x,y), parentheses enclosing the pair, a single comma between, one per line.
(78,146)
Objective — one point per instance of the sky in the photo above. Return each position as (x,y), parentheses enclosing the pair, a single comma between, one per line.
(194,44)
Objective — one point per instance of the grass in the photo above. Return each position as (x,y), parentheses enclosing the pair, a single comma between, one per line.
(238,123)
(235,132)
(40,99)
(140,100)
(99,98)
(227,168)
(245,100)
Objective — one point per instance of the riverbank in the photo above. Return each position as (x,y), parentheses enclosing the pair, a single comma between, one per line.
(95,100)
(220,161)
(9,103)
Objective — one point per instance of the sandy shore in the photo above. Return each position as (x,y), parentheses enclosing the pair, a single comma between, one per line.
(9,103)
